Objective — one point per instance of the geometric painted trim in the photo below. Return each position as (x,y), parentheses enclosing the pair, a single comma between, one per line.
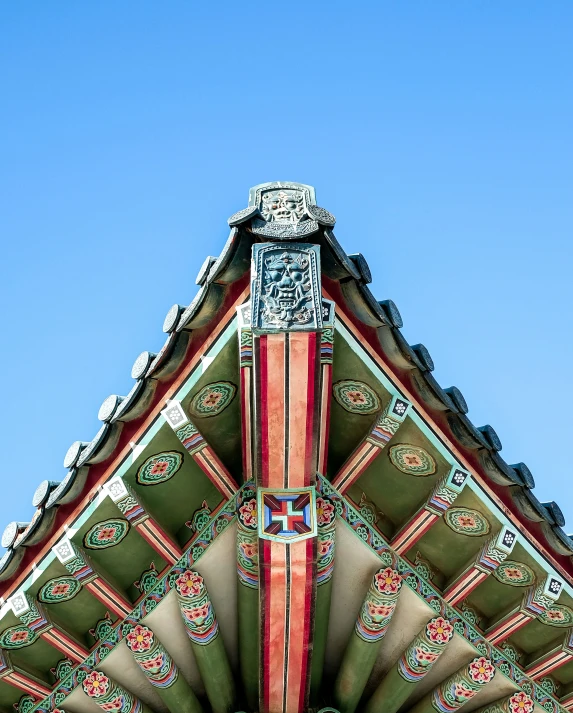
(107,533)
(212,399)
(412,460)
(59,589)
(557,615)
(287,515)
(17,637)
(516,574)
(356,396)
(466,521)
(159,468)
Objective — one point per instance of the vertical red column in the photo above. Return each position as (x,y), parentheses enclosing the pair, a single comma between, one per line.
(287,407)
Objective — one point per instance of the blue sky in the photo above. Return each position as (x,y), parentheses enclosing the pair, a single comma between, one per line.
(438,133)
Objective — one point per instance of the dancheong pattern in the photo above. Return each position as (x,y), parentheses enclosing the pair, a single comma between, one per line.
(98,686)
(463,685)
(159,468)
(326,519)
(107,533)
(16,637)
(515,574)
(425,650)
(212,399)
(356,397)
(152,658)
(466,521)
(412,460)
(379,605)
(196,608)
(557,615)
(59,589)
(247,538)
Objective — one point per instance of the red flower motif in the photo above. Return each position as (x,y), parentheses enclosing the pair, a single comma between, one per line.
(439,630)
(481,670)
(555,615)
(379,611)
(520,703)
(60,589)
(324,511)
(212,398)
(96,684)
(115,705)
(513,573)
(17,637)
(249,550)
(357,397)
(387,581)
(140,638)
(248,512)
(463,693)
(152,664)
(189,584)
(198,614)
(106,533)
(424,658)
(324,547)
(466,521)
(159,467)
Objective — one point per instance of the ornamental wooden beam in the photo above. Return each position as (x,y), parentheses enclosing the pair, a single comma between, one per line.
(386,426)
(547,662)
(161,671)
(248,593)
(109,696)
(286,321)
(492,554)
(416,661)
(443,495)
(199,449)
(326,358)
(518,702)
(364,643)
(132,507)
(32,614)
(536,600)
(458,688)
(79,565)
(203,630)
(22,680)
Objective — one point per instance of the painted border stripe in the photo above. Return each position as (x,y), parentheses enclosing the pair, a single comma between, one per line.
(415,530)
(465,586)
(508,627)
(545,667)
(160,541)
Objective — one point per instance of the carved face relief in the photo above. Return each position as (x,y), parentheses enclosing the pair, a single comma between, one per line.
(282,206)
(287,289)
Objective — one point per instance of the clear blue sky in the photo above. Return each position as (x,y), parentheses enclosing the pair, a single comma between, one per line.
(438,133)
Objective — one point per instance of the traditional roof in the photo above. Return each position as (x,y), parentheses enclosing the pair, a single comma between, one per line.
(438,505)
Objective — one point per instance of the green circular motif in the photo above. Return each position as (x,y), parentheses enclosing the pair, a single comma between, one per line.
(107,533)
(466,521)
(212,399)
(412,460)
(516,574)
(558,615)
(159,468)
(356,397)
(59,589)
(16,637)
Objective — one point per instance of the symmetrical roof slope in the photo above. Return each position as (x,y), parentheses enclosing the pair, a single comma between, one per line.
(147,578)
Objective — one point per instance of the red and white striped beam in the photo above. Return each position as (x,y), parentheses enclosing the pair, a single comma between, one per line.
(553,659)
(537,599)
(386,426)
(81,568)
(32,615)
(199,449)
(443,495)
(23,681)
(492,554)
(147,526)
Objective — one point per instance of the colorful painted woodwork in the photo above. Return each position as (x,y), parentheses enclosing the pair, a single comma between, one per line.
(138,516)
(362,649)
(248,376)
(110,697)
(418,659)
(458,689)
(203,630)
(161,671)
(385,427)
(32,615)
(441,498)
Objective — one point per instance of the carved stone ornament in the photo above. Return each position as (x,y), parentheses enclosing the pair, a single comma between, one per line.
(285,289)
(283,210)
